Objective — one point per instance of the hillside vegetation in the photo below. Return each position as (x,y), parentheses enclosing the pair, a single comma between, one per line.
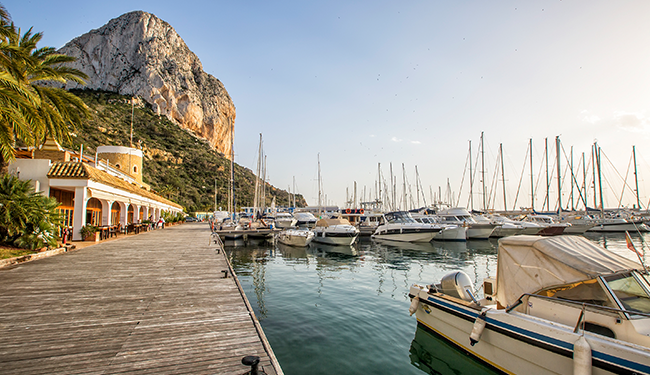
(176,164)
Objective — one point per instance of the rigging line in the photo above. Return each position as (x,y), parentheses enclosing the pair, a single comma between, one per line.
(521,177)
(575,180)
(477,159)
(462,181)
(493,185)
(627,173)
(619,175)
(539,177)
(615,170)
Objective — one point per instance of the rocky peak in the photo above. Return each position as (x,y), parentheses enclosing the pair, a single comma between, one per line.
(139,54)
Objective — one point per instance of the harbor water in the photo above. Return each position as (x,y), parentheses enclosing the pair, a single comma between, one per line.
(344,310)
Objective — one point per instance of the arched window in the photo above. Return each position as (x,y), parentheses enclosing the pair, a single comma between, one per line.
(93,212)
(135,169)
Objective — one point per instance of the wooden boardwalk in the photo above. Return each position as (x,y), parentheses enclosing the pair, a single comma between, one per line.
(155,303)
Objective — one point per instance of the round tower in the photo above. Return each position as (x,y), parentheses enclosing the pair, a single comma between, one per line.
(126,159)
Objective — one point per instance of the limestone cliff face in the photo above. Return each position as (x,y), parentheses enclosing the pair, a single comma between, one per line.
(142,55)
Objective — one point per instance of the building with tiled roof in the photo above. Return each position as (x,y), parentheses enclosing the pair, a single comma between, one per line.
(93,192)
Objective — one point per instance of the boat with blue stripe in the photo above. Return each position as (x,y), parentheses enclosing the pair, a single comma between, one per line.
(558,305)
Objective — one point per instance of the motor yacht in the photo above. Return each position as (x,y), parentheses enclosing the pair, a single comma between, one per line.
(285,220)
(305,219)
(449,232)
(460,216)
(400,226)
(296,237)
(335,231)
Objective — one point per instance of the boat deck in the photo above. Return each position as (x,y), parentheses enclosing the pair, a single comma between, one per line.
(155,303)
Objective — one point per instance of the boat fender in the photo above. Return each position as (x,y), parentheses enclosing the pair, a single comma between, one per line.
(477,329)
(581,357)
(414,305)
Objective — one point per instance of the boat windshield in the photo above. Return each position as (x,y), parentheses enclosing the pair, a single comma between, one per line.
(399,217)
(630,292)
(588,291)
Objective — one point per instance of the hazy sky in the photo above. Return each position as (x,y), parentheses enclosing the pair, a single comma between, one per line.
(368,82)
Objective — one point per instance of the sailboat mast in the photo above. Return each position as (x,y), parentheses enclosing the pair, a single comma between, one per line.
(559,174)
(503,178)
(294,192)
(572,178)
(483,170)
(417,186)
(471,179)
(584,180)
(393,205)
(636,179)
(264,186)
(593,170)
(532,178)
(379,198)
(600,183)
(319,189)
(256,197)
(404,197)
(548,183)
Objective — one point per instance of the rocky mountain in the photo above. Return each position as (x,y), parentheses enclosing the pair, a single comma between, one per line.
(138,54)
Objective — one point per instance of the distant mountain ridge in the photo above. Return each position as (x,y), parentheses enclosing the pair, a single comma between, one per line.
(138,54)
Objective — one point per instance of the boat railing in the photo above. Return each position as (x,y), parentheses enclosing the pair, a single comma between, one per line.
(584,305)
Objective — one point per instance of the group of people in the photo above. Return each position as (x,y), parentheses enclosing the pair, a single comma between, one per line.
(156,224)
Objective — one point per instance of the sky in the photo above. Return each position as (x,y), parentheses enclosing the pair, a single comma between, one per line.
(361,85)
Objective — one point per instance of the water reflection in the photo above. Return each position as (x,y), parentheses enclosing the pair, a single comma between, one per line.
(434,355)
(343,310)
(292,253)
(324,250)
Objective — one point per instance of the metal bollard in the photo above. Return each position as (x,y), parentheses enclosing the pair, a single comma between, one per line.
(253,362)
(225,274)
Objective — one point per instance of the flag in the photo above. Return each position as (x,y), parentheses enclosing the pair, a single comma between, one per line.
(630,245)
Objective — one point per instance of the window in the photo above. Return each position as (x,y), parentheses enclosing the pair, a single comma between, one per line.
(629,292)
(589,291)
(94,212)
(135,169)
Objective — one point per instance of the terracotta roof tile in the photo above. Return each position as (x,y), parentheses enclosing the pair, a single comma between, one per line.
(77,170)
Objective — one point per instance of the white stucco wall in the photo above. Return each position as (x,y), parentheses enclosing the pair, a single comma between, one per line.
(35,170)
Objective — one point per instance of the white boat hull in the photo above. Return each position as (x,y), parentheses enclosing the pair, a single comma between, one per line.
(334,240)
(479,231)
(631,227)
(295,239)
(452,233)
(285,223)
(505,231)
(406,237)
(516,343)
(577,228)
(406,232)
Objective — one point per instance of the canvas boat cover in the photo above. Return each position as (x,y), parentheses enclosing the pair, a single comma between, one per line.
(332,221)
(527,264)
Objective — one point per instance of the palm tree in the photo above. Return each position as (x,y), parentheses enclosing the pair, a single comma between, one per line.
(31,108)
(18,102)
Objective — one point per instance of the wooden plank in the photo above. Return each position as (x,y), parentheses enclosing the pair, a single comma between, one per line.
(147,304)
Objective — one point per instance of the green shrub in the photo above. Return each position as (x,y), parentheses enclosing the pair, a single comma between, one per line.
(27,219)
(87,231)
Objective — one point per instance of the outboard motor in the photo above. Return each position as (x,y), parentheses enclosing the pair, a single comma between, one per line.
(458,284)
